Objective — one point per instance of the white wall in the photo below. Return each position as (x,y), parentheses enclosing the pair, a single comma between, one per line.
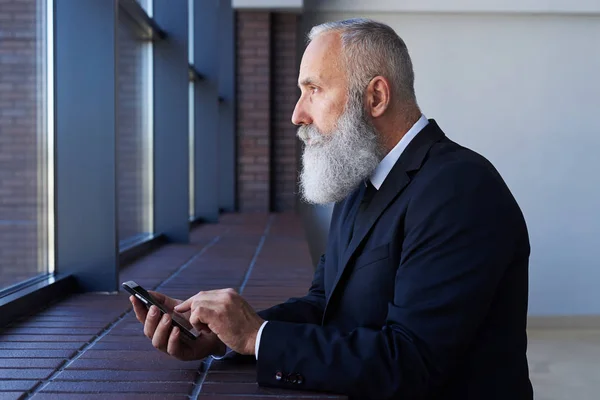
(523,90)
(279,5)
(468,6)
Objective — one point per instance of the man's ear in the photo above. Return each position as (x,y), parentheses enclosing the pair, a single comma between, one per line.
(378,96)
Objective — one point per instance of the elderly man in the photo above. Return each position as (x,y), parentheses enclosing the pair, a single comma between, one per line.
(423,289)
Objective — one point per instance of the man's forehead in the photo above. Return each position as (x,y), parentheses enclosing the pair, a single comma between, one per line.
(321,58)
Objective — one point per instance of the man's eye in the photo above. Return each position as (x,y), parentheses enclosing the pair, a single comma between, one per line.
(313,89)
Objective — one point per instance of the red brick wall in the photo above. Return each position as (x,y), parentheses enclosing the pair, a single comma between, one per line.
(22,198)
(266,82)
(285,94)
(253,48)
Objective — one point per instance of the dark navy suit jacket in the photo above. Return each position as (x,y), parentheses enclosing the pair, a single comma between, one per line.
(427,301)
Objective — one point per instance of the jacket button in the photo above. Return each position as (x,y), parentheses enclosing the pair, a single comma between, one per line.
(278,376)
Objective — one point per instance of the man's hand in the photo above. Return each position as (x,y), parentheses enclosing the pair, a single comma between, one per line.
(169,339)
(228,315)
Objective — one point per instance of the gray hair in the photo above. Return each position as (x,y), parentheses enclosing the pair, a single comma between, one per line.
(371,48)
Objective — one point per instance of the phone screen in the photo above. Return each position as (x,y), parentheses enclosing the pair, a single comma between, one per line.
(178,319)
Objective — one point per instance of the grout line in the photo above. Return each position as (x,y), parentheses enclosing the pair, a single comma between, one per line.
(191,260)
(258,250)
(71,360)
(110,327)
(208,361)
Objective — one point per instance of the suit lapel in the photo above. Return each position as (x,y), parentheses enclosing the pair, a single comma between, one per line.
(410,160)
(349,216)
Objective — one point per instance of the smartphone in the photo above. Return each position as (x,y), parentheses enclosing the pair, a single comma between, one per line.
(146,298)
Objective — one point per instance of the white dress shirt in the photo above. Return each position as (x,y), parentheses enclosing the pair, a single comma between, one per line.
(228,351)
(377,178)
(388,162)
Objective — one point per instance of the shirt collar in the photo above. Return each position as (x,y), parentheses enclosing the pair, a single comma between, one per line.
(386,165)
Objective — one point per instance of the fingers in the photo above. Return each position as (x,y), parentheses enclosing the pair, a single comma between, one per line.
(161,298)
(204,306)
(161,334)
(168,302)
(152,321)
(229,292)
(174,347)
(185,306)
(203,297)
(139,308)
(196,299)
(202,316)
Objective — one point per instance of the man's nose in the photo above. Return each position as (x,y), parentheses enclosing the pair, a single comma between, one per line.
(300,116)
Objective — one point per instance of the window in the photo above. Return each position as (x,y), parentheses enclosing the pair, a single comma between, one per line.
(24,134)
(134,135)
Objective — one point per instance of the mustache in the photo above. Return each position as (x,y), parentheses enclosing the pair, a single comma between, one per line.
(310,133)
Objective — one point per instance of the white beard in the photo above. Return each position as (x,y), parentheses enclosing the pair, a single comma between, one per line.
(334,164)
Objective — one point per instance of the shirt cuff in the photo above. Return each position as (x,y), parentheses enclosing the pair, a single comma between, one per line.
(257,344)
(228,352)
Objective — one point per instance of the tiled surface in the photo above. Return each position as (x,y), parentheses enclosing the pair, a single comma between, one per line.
(91,347)
(565,363)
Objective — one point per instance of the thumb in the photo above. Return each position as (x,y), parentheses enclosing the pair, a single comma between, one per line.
(185,306)
(157,296)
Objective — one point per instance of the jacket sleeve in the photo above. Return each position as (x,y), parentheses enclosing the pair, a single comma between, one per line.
(308,309)
(459,238)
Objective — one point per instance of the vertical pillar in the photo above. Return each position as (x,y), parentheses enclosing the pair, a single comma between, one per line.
(86,243)
(206,111)
(227,144)
(171,140)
